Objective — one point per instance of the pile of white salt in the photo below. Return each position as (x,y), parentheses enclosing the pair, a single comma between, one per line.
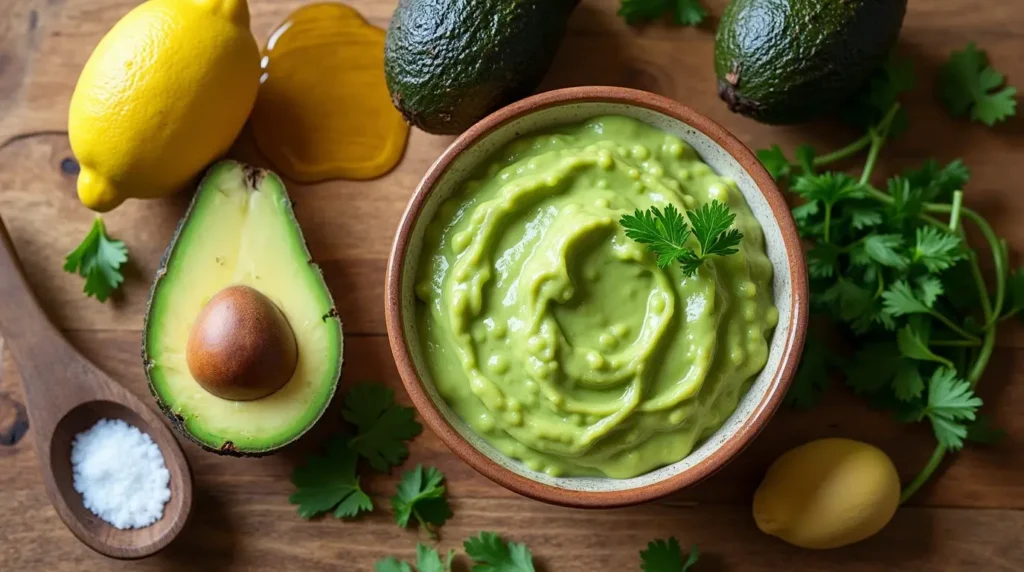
(120,474)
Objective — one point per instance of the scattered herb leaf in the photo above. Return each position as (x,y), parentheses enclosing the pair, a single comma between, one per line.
(492,554)
(98,259)
(667,556)
(427,560)
(382,426)
(420,494)
(330,482)
(967,84)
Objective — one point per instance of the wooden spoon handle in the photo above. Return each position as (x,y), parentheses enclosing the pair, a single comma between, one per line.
(40,351)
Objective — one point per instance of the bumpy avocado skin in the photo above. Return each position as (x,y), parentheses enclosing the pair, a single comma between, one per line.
(449,63)
(787,61)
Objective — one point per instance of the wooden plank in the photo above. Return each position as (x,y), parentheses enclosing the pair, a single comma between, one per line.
(971,517)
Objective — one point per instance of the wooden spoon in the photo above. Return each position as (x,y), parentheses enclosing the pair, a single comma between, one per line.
(66,394)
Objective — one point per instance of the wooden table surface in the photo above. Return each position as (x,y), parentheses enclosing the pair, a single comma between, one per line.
(971,517)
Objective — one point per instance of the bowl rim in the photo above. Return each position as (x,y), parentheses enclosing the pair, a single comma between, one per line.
(730,448)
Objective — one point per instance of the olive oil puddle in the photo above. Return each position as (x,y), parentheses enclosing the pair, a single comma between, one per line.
(323,109)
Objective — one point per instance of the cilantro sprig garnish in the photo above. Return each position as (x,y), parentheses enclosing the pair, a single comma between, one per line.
(665,233)
(890,264)
(98,259)
(427,560)
(969,85)
(667,556)
(492,554)
(382,426)
(329,483)
(684,12)
(420,495)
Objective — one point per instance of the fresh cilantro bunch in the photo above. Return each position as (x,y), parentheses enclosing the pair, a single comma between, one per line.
(892,267)
(684,12)
(665,233)
(667,556)
(98,259)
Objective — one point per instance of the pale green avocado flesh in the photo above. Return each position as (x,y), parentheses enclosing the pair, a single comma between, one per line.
(241,230)
(557,338)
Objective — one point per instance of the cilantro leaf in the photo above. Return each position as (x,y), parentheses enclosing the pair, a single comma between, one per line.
(950,402)
(929,289)
(882,91)
(968,84)
(805,158)
(937,183)
(98,259)
(900,300)
(936,250)
(828,188)
(775,161)
(664,232)
(907,384)
(983,431)
(667,556)
(913,344)
(390,564)
(330,482)
(711,224)
(427,560)
(863,216)
(883,249)
(822,259)
(421,495)
(684,12)
(812,377)
(382,426)
(492,554)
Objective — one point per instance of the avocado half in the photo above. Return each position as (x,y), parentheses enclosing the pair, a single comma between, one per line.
(241,230)
(787,61)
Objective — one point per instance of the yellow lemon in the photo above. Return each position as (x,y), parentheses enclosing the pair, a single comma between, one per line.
(828,493)
(165,92)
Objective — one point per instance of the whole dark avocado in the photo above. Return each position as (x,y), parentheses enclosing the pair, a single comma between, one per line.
(448,63)
(786,61)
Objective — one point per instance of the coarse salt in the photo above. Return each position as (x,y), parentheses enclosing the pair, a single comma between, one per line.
(120,474)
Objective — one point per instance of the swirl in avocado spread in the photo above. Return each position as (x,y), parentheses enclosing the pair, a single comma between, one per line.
(559,339)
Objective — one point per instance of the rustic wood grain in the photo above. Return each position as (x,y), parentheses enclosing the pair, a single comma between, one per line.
(971,517)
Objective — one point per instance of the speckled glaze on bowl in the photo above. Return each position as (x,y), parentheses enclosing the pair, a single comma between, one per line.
(719,149)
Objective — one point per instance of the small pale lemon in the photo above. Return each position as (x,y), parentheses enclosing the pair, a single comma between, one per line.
(827,493)
(165,92)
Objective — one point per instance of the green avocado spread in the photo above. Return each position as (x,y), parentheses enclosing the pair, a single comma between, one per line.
(559,339)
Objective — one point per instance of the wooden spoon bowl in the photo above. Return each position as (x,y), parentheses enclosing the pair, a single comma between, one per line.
(66,394)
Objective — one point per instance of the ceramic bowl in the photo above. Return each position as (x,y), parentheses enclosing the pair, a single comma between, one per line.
(719,149)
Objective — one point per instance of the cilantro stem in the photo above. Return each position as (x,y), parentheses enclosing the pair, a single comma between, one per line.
(998,257)
(952,326)
(877,135)
(828,221)
(954,213)
(933,463)
(843,152)
(956,343)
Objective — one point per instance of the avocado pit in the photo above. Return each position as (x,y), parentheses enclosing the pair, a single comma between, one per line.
(241,346)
